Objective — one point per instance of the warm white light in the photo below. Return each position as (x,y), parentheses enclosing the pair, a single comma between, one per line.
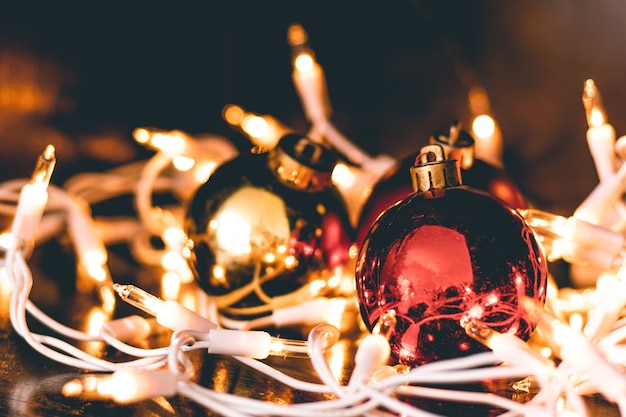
(97,272)
(203,171)
(173,144)
(596,117)
(141,135)
(183,163)
(484,126)
(304,63)
(290,262)
(170,285)
(6,241)
(233,233)
(255,126)
(172,261)
(233,114)
(173,235)
(342,176)
(95,320)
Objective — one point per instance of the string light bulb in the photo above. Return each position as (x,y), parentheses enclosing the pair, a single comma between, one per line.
(489,144)
(374,350)
(578,351)
(308,76)
(33,198)
(600,134)
(263,130)
(577,241)
(168,313)
(123,387)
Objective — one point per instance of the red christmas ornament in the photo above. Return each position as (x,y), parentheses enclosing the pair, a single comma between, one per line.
(446,253)
(457,144)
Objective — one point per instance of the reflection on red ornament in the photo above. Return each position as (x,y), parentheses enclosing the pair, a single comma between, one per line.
(476,173)
(445,254)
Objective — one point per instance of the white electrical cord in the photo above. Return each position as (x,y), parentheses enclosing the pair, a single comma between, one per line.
(168,370)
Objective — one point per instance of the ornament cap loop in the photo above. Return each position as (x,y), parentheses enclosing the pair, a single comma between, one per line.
(457,144)
(300,163)
(432,171)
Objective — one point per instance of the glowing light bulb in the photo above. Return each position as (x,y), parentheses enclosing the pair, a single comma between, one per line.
(33,198)
(123,387)
(601,136)
(263,130)
(489,145)
(6,241)
(304,63)
(483,126)
(575,240)
(170,313)
(255,126)
(592,101)
(342,176)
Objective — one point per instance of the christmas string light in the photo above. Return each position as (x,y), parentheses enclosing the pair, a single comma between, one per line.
(600,134)
(356,179)
(590,348)
(168,371)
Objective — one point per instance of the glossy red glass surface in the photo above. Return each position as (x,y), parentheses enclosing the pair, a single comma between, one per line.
(440,256)
(396,184)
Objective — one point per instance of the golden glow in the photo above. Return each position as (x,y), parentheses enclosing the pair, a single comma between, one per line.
(576,322)
(141,135)
(592,101)
(203,171)
(219,272)
(290,262)
(255,126)
(478,100)
(183,163)
(170,285)
(484,126)
(334,312)
(335,279)
(233,233)
(317,285)
(596,118)
(296,35)
(123,387)
(173,235)
(5,284)
(97,272)
(172,261)
(95,320)
(353,252)
(233,114)
(546,352)
(304,63)
(269,258)
(6,240)
(342,176)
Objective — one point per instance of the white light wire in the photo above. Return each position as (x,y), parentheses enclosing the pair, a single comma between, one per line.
(364,400)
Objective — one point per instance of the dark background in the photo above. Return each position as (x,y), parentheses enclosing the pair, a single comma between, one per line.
(82,75)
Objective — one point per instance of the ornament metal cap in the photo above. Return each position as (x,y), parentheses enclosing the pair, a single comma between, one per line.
(432,171)
(300,163)
(457,144)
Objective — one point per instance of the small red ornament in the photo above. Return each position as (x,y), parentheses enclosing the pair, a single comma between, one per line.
(457,144)
(446,253)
